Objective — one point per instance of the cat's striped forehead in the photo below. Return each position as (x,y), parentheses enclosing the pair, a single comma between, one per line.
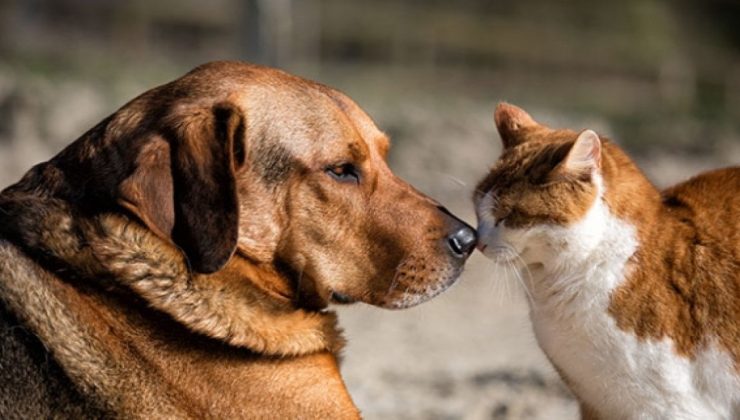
(524,186)
(532,161)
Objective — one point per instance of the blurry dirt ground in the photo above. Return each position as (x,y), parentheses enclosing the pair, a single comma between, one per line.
(467,354)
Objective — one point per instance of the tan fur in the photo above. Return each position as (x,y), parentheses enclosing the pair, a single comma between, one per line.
(131,364)
(178,259)
(219,305)
(685,281)
(93,361)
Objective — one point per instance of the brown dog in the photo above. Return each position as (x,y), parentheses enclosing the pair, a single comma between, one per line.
(177,259)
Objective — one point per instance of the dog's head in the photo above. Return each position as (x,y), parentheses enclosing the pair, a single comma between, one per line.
(287,173)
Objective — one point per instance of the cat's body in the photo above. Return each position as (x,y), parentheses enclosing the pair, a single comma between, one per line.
(635,292)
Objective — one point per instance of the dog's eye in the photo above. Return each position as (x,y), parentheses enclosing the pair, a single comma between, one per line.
(344,172)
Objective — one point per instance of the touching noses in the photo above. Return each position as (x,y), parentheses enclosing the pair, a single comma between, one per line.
(489,236)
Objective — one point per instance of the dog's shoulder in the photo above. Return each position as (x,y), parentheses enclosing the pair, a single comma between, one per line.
(32,384)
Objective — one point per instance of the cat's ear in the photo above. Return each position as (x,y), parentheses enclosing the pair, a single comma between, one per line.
(585,155)
(510,120)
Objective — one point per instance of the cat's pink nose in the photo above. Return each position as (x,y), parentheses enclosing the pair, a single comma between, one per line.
(481,246)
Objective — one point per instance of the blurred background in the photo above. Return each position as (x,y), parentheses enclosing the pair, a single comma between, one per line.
(662,78)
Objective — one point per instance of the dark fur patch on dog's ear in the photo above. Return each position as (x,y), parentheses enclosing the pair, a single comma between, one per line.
(183,185)
(207,149)
(230,126)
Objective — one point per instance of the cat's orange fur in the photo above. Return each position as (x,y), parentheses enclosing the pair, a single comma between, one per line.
(685,281)
(680,285)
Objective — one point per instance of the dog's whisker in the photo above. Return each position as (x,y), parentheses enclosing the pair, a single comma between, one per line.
(406,292)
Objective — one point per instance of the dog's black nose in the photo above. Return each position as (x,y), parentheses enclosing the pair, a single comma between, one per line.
(462,241)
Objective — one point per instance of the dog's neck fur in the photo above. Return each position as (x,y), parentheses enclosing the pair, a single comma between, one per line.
(130,360)
(231,305)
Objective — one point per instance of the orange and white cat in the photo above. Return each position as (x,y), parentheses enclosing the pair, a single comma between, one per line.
(635,291)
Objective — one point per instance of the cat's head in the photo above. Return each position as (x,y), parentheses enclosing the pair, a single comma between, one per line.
(536,202)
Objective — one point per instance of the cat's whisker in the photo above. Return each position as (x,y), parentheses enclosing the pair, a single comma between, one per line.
(507,283)
(525,266)
(511,261)
(499,287)
(501,274)
(511,272)
(519,272)
(508,280)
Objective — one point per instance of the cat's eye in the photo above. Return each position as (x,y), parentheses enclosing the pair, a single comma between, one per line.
(344,172)
(500,220)
(505,217)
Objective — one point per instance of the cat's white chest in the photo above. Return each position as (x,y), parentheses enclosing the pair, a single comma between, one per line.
(613,371)
(625,377)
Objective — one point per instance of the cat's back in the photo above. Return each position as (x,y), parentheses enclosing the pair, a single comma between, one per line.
(710,204)
(717,190)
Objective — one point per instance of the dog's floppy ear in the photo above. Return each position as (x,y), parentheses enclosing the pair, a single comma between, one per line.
(184,184)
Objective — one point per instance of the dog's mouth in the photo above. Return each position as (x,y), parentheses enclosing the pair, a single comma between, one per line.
(416,282)
(417,278)
(407,290)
